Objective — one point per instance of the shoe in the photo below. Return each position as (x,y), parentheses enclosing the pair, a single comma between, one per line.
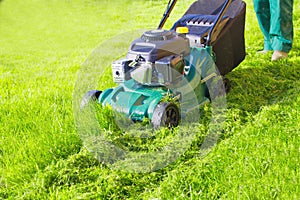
(277,55)
(265,51)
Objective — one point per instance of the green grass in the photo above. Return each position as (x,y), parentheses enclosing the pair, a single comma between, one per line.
(42,46)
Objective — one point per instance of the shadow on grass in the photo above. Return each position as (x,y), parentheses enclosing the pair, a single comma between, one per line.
(259,83)
(255,87)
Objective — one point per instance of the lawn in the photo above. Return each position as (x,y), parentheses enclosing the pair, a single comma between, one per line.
(43,46)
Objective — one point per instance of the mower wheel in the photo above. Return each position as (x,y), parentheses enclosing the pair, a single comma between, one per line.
(90,96)
(218,91)
(226,84)
(165,115)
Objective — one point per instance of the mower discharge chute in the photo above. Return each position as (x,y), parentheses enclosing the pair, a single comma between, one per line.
(176,63)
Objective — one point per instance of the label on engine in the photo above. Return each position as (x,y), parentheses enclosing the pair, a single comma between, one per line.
(118,72)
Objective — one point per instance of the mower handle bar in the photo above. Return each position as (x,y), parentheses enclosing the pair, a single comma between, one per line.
(169,9)
(171,5)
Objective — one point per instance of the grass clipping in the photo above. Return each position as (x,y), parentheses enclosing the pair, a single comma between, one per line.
(122,144)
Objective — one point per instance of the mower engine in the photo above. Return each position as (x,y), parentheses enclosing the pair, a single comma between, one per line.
(154,59)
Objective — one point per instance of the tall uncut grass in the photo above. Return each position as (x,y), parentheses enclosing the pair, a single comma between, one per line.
(42,46)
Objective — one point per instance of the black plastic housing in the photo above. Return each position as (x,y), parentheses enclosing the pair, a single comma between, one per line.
(229,45)
(156,44)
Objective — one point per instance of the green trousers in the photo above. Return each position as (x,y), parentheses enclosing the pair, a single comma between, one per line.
(275,18)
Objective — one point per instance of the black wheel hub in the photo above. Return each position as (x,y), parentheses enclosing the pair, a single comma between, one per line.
(165,115)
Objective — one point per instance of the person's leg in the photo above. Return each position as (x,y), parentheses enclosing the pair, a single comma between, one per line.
(281,28)
(262,10)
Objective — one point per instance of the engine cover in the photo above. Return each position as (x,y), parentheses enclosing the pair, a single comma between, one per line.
(156,44)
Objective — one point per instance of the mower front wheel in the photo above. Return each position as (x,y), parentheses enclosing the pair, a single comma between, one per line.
(90,96)
(165,115)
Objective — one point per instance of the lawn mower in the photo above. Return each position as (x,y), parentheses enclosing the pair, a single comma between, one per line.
(165,69)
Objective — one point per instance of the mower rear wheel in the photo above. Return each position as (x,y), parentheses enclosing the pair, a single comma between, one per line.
(221,88)
(226,84)
(166,114)
(90,96)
